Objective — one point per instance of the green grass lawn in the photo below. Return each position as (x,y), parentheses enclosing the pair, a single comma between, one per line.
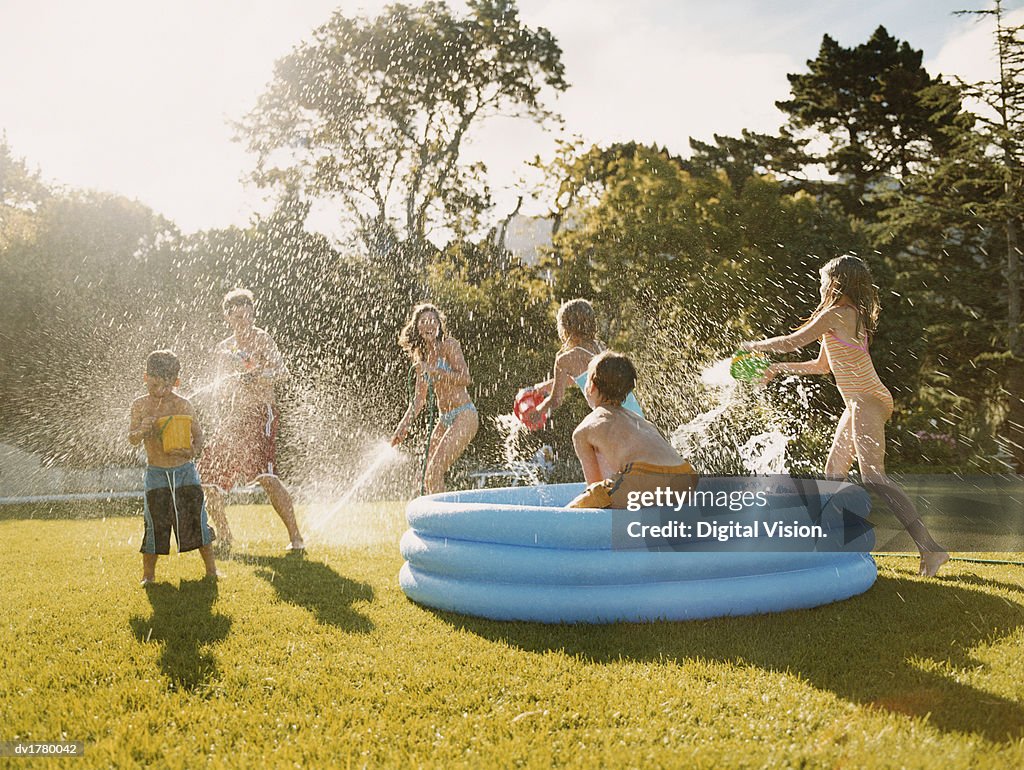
(322,662)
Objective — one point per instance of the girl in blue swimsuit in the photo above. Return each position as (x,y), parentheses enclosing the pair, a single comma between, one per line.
(441,367)
(577,328)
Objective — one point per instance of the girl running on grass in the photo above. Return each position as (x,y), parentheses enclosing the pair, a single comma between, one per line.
(439,365)
(844,321)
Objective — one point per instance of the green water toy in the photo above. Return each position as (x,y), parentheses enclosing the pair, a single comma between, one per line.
(748,366)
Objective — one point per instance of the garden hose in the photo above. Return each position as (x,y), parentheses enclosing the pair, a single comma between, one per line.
(969,559)
(431,420)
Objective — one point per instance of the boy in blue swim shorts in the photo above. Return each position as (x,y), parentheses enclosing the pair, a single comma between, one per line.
(166,424)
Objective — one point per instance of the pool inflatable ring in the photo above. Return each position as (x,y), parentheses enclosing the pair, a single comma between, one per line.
(518,554)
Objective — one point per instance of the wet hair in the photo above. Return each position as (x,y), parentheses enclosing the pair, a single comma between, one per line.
(848,276)
(613,375)
(409,338)
(163,364)
(576,318)
(236,298)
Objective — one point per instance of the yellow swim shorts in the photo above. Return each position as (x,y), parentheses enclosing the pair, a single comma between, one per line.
(636,477)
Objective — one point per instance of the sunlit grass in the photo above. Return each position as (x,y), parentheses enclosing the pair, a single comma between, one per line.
(322,662)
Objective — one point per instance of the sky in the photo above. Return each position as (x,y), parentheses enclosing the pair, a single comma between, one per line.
(136,97)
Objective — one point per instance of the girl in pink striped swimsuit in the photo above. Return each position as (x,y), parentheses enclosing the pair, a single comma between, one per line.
(844,321)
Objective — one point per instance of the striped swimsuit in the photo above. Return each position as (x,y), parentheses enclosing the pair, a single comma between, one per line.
(853,370)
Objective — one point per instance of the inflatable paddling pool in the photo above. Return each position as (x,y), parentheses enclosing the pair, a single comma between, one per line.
(518,554)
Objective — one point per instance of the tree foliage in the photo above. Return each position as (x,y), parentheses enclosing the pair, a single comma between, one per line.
(22,192)
(374,113)
(867,101)
(957,225)
(751,154)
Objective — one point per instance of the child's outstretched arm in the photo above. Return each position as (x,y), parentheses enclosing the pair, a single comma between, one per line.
(819,365)
(557,387)
(545,386)
(802,337)
(418,400)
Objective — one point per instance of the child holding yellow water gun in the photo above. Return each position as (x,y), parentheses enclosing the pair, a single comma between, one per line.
(166,424)
(844,322)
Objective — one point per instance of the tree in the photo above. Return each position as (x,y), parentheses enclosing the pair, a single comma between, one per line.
(643,228)
(867,102)
(374,113)
(1001,135)
(958,225)
(22,192)
(784,156)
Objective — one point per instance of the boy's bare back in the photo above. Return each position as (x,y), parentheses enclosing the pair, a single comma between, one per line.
(621,453)
(614,437)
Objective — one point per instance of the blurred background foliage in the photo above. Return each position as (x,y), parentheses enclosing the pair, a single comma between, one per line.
(683,256)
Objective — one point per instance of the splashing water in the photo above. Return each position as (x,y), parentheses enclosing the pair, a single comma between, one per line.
(342,520)
(765,453)
(211,386)
(717,378)
(761,454)
(513,433)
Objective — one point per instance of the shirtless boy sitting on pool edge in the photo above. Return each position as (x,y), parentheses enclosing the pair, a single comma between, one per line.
(619,450)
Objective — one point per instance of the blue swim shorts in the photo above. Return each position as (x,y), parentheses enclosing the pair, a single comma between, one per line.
(174,501)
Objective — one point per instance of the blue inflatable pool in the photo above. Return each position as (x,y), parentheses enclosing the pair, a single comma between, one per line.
(519,554)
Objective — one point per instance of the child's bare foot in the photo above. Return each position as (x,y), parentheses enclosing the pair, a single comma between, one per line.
(215,574)
(147,581)
(296,546)
(931,561)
